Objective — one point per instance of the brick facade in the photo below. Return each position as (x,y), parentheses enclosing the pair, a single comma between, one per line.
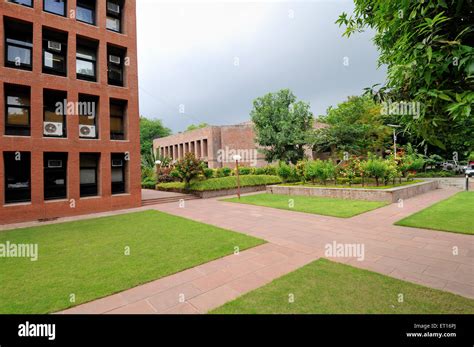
(214,145)
(37,144)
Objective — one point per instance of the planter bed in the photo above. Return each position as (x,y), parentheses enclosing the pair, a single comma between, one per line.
(388,195)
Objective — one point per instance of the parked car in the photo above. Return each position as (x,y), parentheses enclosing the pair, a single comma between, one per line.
(470,169)
(454,166)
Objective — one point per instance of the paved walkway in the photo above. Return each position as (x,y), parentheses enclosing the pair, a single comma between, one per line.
(295,239)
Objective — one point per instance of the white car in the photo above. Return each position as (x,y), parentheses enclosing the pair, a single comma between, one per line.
(470,170)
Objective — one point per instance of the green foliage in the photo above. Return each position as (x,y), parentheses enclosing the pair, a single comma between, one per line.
(284,171)
(188,168)
(427,48)
(199,126)
(149,183)
(471,156)
(375,167)
(151,129)
(282,125)
(223,183)
(431,174)
(270,170)
(208,173)
(355,126)
(245,170)
(319,170)
(259,171)
(223,172)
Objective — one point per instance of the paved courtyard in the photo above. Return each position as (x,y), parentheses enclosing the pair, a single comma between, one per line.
(435,259)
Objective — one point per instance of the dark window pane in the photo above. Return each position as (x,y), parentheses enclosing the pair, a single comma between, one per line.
(55,6)
(17,167)
(19,55)
(55,176)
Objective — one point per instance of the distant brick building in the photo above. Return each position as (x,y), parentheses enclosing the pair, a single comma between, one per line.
(215,145)
(71,160)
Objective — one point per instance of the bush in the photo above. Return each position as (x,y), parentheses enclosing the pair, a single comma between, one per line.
(270,170)
(431,174)
(223,172)
(188,168)
(376,168)
(245,171)
(165,175)
(319,170)
(149,183)
(284,171)
(223,183)
(259,171)
(208,173)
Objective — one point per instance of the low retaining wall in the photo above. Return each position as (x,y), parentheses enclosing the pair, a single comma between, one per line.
(224,192)
(450,182)
(388,195)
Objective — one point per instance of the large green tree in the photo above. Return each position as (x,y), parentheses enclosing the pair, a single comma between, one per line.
(355,126)
(427,48)
(151,129)
(282,125)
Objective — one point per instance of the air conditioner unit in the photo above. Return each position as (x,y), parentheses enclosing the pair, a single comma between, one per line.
(112,7)
(55,46)
(87,131)
(117,162)
(114,59)
(55,164)
(53,129)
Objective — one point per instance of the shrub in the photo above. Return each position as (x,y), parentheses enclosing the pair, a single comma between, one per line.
(320,170)
(245,171)
(223,183)
(284,171)
(208,173)
(188,168)
(165,175)
(376,168)
(270,170)
(149,183)
(259,171)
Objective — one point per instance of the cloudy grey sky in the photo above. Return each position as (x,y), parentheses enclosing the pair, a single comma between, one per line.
(213,58)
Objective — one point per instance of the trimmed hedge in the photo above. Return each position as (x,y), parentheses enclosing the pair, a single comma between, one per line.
(223,183)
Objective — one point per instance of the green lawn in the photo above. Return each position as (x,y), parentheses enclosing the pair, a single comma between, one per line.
(87,258)
(311,204)
(326,287)
(223,183)
(454,214)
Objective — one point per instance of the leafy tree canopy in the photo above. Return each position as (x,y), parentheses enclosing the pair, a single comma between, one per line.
(355,126)
(282,125)
(151,129)
(427,48)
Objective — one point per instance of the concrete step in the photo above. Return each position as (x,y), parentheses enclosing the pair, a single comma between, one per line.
(167,200)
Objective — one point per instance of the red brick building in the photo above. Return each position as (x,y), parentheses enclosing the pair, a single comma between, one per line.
(215,145)
(69,120)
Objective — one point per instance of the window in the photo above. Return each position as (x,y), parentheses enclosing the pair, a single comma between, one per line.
(54,52)
(89,166)
(28,3)
(117,119)
(88,107)
(115,60)
(17,168)
(55,6)
(114,15)
(118,173)
(86,60)
(55,107)
(18,44)
(86,11)
(55,176)
(17,110)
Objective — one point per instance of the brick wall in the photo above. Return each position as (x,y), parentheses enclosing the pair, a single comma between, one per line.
(37,144)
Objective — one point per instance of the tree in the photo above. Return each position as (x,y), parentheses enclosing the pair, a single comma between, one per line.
(355,126)
(426,46)
(282,126)
(199,126)
(151,129)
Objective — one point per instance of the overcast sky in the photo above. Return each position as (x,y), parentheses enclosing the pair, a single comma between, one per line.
(212,59)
